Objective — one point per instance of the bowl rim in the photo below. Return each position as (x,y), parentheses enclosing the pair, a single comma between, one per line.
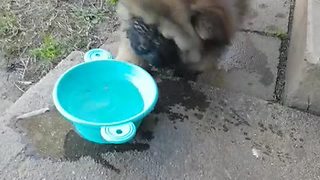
(77,120)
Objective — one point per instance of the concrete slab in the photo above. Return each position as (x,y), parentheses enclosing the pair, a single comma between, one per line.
(11,145)
(8,92)
(42,92)
(249,66)
(268,16)
(195,132)
(302,78)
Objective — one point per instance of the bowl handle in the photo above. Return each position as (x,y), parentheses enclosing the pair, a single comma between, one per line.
(97,54)
(118,134)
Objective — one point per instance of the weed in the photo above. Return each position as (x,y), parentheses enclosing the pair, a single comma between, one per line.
(281,35)
(49,51)
(112,2)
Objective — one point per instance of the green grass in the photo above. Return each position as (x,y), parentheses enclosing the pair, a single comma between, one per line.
(112,2)
(49,51)
(37,34)
(281,35)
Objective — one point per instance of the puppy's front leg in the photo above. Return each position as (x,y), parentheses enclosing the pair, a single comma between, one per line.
(126,53)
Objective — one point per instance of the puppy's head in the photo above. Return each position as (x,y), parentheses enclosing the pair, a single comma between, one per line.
(213,23)
(198,27)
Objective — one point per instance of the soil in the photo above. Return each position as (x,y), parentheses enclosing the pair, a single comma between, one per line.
(35,35)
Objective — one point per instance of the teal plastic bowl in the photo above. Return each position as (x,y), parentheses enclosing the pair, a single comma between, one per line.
(105,101)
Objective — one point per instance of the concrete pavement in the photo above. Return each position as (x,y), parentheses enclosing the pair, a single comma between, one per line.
(255,62)
(196,132)
(302,78)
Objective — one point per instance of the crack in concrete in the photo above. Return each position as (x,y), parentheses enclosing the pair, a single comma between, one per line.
(263,33)
(281,75)
(309,104)
(282,65)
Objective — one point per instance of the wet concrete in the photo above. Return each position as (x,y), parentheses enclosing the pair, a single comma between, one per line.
(50,136)
(195,132)
(248,66)
(45,134)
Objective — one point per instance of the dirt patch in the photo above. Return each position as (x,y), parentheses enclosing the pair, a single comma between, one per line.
(35,35)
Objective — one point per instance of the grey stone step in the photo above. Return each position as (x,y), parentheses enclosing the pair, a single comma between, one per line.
(302,78)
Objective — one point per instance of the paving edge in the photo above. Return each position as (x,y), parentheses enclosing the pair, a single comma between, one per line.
(41,89)
(302,89)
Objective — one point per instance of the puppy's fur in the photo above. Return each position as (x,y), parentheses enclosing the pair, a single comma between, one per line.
(200,28)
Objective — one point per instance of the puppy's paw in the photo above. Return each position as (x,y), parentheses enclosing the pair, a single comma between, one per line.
(126,53)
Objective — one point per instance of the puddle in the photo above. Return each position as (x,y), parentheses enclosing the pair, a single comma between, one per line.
(180,92)
(75,147)
(50,136)
(175,90)
(46,133)
(250,59)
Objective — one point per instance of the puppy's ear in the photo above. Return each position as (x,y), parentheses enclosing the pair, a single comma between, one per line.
(212,25)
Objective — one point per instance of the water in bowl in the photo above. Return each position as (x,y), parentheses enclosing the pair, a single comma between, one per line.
(107,102)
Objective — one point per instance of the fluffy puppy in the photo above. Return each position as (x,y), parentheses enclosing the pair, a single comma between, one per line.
(184,34)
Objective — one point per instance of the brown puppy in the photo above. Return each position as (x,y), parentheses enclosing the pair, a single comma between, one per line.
(200,28)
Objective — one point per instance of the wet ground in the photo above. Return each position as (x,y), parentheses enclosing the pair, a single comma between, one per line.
(255,63)
(249,66)
(195,132)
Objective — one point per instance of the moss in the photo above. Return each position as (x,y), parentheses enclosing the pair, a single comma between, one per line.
(281,35)
(112,2)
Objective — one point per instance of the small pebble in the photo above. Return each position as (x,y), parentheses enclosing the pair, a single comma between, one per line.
(255,152)
(4,97)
